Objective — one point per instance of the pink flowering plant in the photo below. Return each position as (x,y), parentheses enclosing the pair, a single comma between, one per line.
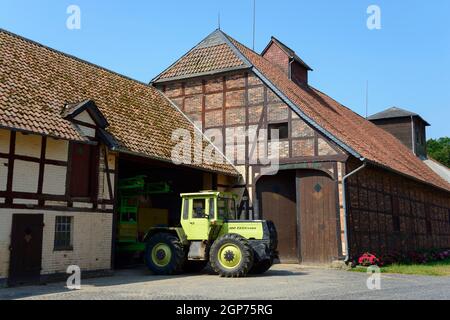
(411,257)
(368,259)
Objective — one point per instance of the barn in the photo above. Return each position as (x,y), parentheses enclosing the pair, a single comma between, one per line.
(74,134)
(345,185)
(70,131)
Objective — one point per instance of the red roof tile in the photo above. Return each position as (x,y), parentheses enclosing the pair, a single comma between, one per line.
(211,55)
(36,82)
(368,140)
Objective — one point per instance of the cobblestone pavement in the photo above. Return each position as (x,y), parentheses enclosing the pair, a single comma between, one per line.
(281,282)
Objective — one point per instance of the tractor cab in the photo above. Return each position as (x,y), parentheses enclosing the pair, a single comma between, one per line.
(204,213)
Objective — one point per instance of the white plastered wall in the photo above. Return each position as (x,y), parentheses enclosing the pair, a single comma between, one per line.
(92,240)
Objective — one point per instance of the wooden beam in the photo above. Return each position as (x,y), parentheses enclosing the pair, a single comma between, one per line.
(42,169)
(203,105)
(33,159)
(12,150)
(224,114)
(108,177)
(68,174)
(84,124)
(52,208)
(115,211)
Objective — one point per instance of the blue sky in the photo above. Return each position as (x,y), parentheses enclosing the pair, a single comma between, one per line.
(407,62)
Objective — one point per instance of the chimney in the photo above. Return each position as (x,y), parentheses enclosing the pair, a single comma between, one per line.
(287,60)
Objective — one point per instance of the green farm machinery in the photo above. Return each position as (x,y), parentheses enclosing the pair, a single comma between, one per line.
(209,232)
(134,219)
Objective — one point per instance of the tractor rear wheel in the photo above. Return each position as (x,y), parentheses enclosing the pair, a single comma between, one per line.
(164,254)
(231,256)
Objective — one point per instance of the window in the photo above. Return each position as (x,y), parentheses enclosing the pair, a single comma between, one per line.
(226,208)
(199,208)
(211,209)
(186,209)
(63,233)
(283,130)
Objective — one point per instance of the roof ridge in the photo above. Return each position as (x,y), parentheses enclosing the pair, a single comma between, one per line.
(290,102)
(214,39)
(438,181)
(290,52)
(158,76)
(67,55)
(285,48)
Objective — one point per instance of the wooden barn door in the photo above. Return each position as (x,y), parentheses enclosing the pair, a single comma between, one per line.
(26,248)
(277,199)
(318,217)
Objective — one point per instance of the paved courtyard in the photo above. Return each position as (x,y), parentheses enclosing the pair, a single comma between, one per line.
(282,282)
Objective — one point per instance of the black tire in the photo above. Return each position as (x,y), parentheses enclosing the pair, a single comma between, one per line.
(174,264)
(246,252)
(194,266)
(262,266)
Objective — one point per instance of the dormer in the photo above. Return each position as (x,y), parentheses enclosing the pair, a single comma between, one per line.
(288,61)
(407,126)
(89,120)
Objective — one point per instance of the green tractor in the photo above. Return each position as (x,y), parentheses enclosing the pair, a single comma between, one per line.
(209,232)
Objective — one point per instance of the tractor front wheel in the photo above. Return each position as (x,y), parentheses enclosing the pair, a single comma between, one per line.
(231,256)
(164,254)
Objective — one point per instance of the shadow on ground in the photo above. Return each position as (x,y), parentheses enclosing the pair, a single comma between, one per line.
(130,276)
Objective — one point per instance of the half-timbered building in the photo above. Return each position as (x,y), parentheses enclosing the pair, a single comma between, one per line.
(345,185)
(68,131)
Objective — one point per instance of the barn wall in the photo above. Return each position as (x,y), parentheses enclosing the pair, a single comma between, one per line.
(389,213)
(240,102)
(236,103)
(37,185)
(39,177)
(92,239)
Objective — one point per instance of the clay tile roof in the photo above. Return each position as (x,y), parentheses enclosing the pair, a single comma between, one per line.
(210,55)
(359,136)
(36,83)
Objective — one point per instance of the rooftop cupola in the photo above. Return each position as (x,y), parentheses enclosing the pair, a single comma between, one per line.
(285,58)
(407,126)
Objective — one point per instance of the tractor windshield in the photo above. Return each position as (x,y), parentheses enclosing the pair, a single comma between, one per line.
(226,208)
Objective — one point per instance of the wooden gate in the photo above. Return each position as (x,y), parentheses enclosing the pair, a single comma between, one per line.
(26,249)
(277,201)
(318,210)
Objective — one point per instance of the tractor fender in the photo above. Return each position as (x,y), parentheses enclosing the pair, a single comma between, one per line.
(178,232)
(261,250)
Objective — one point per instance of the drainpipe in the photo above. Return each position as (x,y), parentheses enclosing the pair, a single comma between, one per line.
(344,204)
(291,61)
